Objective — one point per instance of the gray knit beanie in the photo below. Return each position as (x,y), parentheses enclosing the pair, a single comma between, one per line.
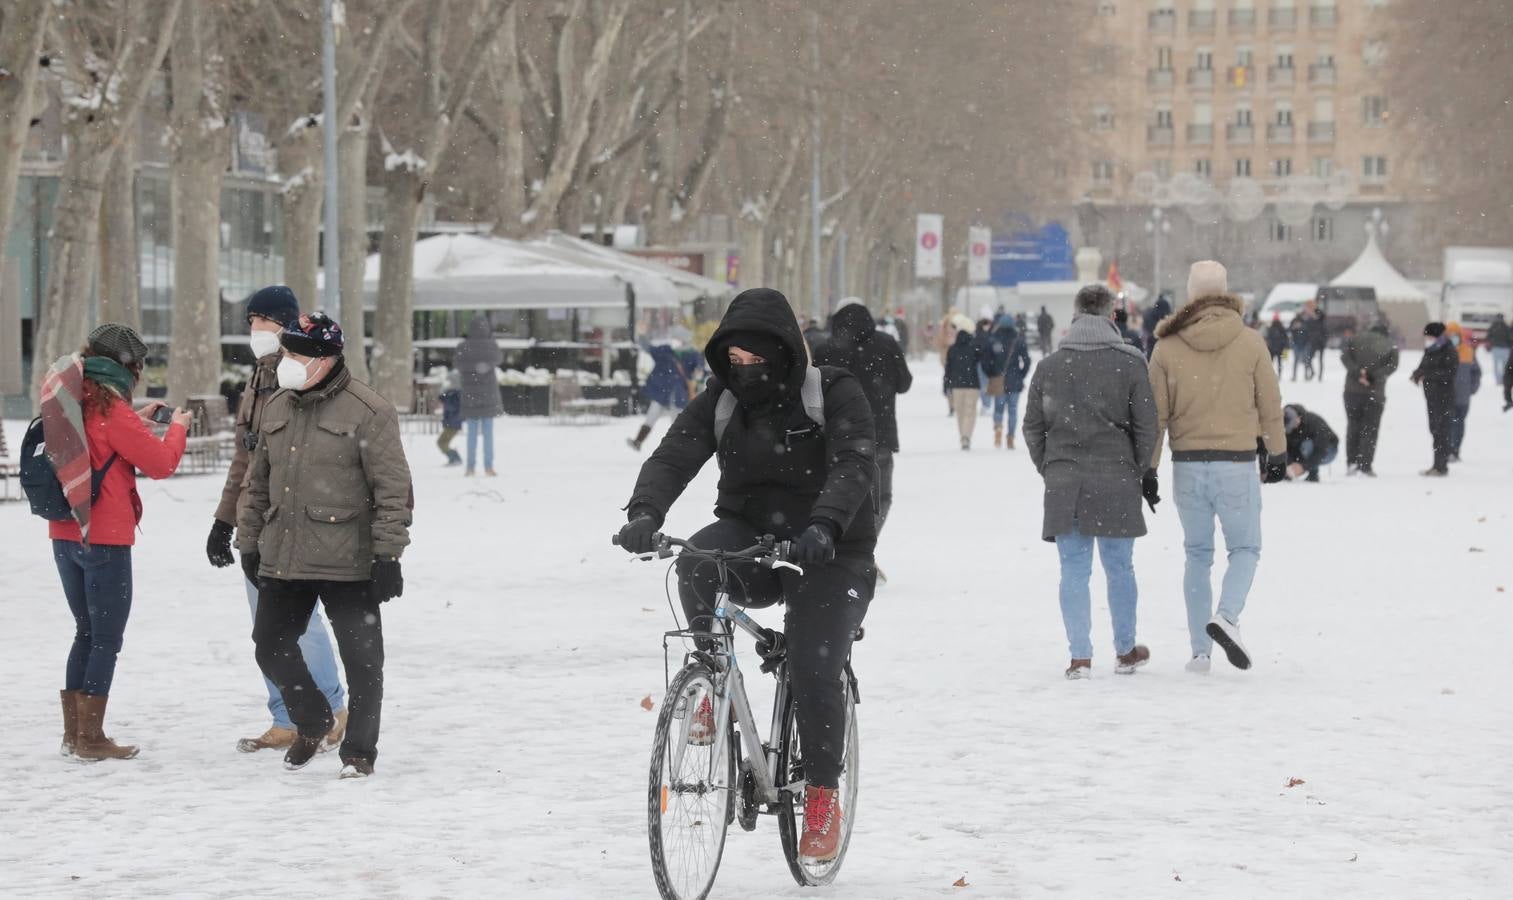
(119,342)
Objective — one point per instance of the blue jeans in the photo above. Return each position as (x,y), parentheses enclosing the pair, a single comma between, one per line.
(486,426)
(1117,556)
(1499,362)
(1307,449)
(315,646)
(1230,491)
(97,583)
(1007,402)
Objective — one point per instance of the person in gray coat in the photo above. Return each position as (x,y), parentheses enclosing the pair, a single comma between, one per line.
(477,363)
(1090,427)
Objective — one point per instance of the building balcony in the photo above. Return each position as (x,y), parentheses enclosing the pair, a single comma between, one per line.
(1161,79)
(1163,21)
(1282,19)
(1160,135)
(1242,20)
(1201,20)
(1240,77)
(1278,133)
(1202,79)
(1281,76)
(1200,134)
(1240,134)
(1322,75)
(1321,132)
(1324,16)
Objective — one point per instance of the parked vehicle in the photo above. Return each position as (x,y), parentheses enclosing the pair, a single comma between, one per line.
(1346,308)
(1478,288)
(1286,300)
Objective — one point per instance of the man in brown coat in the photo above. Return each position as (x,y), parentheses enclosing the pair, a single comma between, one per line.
(326,518)
(1216,393)
(269,310)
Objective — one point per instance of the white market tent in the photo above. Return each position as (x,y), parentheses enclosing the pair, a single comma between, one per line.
(1404,305)
(688,286)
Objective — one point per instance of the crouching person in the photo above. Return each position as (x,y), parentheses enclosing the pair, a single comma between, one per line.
(1090,426)
(326,518)
(1311,443)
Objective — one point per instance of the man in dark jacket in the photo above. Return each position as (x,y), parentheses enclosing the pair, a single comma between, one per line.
(1500,342)
(1153,317)
(1369,359)
(1276,341)
(1090,425)
(1436,375)
(1311,443)
(1301,333)
(1016,365)
(269,310)
(326,518)
(1318,338)
(962,381)
(878,363)
(783,472)
(477,363)
(1047,327)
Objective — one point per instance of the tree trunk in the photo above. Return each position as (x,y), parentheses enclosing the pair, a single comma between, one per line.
(504,70)
(299,159)
(393,328)
(20,47)
(120,280)
(753,238)
(352,169)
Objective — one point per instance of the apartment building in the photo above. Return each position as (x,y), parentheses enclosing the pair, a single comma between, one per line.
(1262,128)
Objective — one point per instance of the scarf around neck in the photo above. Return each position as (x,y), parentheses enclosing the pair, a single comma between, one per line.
(1089,332)
(106,371)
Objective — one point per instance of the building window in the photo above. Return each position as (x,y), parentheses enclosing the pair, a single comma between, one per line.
(1322,229)
(1245,57)
(1205,58)
(1103,117)
(1163,117)
(1323,167)
(1103,172)
(1374,111)
(1203,168)
(1107,8)
(1284,57)
(1242,167)
(1374,53)
(1164,58)
(1374,168)
(1162,168)
(1243,116)
(1284,114)
(1282,166)
(1281,232)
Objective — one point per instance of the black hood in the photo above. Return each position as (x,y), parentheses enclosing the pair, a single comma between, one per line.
(768,312)
(853,324)
(965,338)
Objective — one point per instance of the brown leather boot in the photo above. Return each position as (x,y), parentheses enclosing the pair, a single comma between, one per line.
(1133,660)
(1009,440)
(997,435)
(338,731)
(70,722)
(640,438)
(91,743)
(822,825)
(275,738)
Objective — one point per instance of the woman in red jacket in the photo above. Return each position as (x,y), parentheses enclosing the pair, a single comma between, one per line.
(96,573)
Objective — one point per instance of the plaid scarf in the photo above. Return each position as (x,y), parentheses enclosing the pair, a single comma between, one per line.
(63,430)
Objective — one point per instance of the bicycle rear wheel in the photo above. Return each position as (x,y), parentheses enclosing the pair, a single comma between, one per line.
(791,805)
(690,798)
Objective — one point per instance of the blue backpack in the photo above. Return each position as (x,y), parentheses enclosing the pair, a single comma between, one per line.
(39,481)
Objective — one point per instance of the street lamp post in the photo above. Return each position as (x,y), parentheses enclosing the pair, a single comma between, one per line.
(1158,227)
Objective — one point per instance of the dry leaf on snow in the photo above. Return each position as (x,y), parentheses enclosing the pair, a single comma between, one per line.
(646,703)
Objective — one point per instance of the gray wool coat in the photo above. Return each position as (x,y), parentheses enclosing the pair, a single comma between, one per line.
(477,363)
(1090,426)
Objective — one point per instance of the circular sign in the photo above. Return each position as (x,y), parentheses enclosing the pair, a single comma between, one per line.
(929,240)
(979,249)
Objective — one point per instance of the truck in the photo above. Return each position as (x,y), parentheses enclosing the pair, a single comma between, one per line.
(1478,288)
(1347,309)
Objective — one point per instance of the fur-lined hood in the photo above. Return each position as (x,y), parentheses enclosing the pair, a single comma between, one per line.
(1207,323)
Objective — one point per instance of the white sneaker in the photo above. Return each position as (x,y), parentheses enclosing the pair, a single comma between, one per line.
(1227,635)
(1199,664)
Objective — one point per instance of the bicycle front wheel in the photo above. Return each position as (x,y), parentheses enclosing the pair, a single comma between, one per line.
(791,805)
(692,778)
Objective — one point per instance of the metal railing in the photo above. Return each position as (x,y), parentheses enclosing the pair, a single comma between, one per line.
(1161,79)
(1240,134)
(1321,132)
(1278,133)
(1242,20)
(1324,16)
(1164,21)
(1160,135)
(1281,76)
(1321,75)
(1200,134)
(1201,20)
(1199,77)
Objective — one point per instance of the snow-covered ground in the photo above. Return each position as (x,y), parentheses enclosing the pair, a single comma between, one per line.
(514,750)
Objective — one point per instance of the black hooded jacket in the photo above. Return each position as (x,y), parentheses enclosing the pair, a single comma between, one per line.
(875,359)
(961,362)
(779,470)
(1311,427)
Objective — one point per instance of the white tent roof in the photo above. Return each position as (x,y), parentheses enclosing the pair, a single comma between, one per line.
(689,287)
(1371,269)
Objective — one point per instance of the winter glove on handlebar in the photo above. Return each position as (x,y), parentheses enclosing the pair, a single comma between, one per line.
(218,547)
(1150,488)
(636,536)
(816,545)
(250,562)
(1276,470)
(388,579)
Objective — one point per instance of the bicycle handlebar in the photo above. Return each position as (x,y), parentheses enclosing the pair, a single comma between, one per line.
(769,552)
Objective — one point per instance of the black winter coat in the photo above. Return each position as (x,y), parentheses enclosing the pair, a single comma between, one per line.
(875,359)
(779,470)
(1436,374)
(1276,338)
(961,362)
(1499,334)
(1311,427)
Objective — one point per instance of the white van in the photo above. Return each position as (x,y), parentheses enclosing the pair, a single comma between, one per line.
(1286,301)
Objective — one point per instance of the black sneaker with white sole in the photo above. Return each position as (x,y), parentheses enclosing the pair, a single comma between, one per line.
(1227,636)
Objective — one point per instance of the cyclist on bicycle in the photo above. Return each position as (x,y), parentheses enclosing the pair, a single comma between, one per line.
(797,461)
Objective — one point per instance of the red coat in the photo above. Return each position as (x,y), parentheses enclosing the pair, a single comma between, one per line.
(113,518)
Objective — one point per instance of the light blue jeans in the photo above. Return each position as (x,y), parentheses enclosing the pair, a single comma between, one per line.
(486,427)
(1499,362)
(315,647)
(1230,492)
(1117,556)
(1008,402)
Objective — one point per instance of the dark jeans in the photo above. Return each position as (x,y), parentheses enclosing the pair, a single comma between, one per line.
(1458,427)
(884,485)
(283,612)
(825,607)
(1277,358)
(1363,416)
(1302,356)
(1441,427)
(97,582)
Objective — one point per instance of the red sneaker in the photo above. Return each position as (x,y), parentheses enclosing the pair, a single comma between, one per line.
(822,825)
(701,729)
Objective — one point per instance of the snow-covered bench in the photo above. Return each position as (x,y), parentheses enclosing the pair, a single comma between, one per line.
(569,407)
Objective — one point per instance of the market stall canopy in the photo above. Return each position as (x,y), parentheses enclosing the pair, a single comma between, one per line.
(687,286)
(1371,269)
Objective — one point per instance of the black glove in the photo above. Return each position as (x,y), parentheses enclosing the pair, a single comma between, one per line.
(388,579)
(636,535)
(250,562)
(218,547)
(816,545)
(1276,469)
(1150,487)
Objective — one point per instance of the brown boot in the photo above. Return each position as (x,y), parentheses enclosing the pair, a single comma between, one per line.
(822,825)
(997,435)
(1133,660)
(1079,669)
(1009,441)
(92,744)
(337,732)
(70,722)
(640,438)
(275,738)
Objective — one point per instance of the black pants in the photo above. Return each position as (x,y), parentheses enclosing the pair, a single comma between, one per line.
(884,485)
(1363,416)
(283,613)
(1277,358)
(1302,356)
(824,608)
(1441,428)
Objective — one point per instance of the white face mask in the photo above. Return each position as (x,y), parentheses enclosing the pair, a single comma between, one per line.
(1430,342)
(263,343)
(292,375)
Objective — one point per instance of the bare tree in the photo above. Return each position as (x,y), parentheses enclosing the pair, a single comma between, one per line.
(22,24)
(120,265)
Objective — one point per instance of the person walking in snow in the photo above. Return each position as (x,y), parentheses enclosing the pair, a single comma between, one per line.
(1153,318)
(326,518)
(1311,443)
(961,379)
(1302,348)
(477,362)
(269,311)
(1047,328)
(878,363)
(96,445)
(1276,341)
(1215,391)
(1090,426)
(1467,383)
(1369,359)
(451,418)
(990,362)
(1436,374)
(665,389)
(1011,346)
(795,447)
(1499,343)
(1318,337)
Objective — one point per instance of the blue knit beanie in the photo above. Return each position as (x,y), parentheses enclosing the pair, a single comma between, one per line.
(274,302)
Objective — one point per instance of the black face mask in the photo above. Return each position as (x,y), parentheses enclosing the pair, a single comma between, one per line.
(753,383)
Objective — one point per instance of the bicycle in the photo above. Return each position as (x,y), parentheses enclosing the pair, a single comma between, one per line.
(701,784)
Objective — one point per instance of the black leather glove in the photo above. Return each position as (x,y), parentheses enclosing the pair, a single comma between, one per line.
(388,579)
(218,547)
(250,562)
(816,545)
(1276,469)
(1150,487)
(636,535)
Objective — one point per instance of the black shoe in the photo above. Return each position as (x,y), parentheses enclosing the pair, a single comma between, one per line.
(1367,471)
(1313,476)
(302,751)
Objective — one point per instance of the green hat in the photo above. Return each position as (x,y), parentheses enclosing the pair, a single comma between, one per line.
(119,342)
